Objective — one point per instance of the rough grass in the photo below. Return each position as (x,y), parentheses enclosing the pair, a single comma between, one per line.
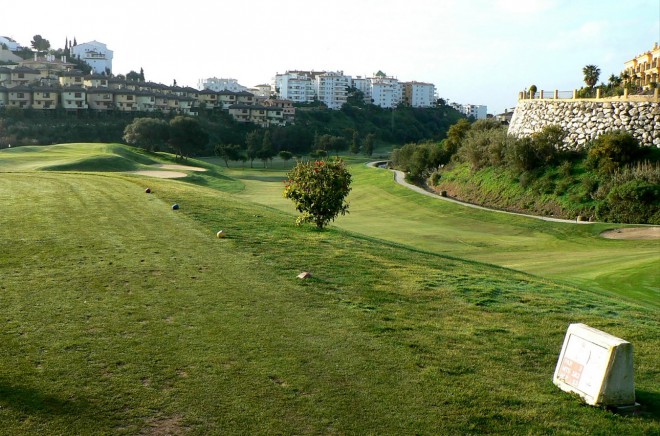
(122,316)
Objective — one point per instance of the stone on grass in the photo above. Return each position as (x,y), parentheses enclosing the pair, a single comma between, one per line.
(175,206)
(221,234)
(304,275)
(148,190)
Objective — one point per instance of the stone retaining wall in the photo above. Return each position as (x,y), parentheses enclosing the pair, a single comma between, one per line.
(585,120)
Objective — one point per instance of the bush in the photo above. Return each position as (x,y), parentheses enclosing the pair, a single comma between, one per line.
(418,159)
(562,186)
(484,145)
(519,156)
(565,169)
(636,201)
(435,178)
(547,143)
(525,179)
(612,150)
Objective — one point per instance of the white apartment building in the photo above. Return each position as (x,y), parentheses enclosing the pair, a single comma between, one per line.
(332,88)
(10,43)
(297,86)
(217,85)
(386,91)
(419,94)
(95,54)
(477,111)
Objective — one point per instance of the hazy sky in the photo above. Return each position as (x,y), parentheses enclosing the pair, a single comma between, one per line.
(474,51)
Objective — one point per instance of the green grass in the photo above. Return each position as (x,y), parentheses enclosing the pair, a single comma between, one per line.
(572,253)
(122,316)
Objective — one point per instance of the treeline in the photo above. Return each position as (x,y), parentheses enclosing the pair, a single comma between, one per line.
(613,179)
(315,128)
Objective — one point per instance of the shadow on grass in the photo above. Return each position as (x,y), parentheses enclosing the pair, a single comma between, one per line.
(262,178)
(30,401)
(650,404)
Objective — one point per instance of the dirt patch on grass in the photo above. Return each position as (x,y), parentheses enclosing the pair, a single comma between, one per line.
(164,426)
(160,174)
(644,233)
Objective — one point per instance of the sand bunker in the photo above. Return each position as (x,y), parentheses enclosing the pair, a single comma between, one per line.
(179,167)
(161,174)
(645,233)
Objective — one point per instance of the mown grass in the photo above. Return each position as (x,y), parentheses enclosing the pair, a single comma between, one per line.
(122,316)
(568,252)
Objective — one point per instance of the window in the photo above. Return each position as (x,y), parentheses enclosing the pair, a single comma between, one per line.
(20,95)
(21,75)
(46,94)
(78,95)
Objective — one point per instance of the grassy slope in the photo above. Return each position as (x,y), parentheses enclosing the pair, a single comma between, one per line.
(133,317)
(566,252)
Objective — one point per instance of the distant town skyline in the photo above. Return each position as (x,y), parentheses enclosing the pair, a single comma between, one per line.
(480,52)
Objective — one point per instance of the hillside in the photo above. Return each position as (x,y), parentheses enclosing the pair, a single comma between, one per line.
(124,316)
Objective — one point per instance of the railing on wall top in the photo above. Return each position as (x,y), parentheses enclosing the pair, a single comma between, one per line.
(636,94)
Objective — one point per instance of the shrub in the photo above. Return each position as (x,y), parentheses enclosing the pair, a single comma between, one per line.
(612,150)
(418,159)
(547,143)
(484,145)
(636,201)
(519,156)
(562,186)
(589,184)
(525,179)
(544,186)
(435,178)
(565,169)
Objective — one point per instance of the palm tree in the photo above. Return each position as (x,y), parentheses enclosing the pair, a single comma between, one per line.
(591,75)
(614,81)
(625,76)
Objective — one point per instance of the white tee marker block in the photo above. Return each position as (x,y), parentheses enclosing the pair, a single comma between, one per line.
(597,366)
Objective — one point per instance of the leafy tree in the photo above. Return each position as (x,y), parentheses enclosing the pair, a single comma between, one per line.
(368,148)
(252,142)
(229,152)
(455,135)
(591,75)
(266,152)
(337,144)
(187,136)
(285,155)
(133,76)
(354,97)
(40,44)
(147,133)
(318,190)
(355,143)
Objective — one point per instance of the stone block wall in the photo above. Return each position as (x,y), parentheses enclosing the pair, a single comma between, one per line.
(584,120)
